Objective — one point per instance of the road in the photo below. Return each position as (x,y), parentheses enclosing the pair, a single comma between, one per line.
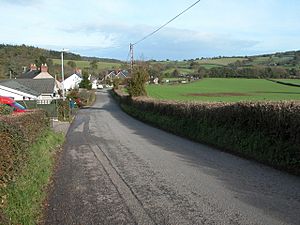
(117,170)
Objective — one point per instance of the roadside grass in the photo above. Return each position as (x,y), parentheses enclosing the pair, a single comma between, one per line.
(225,90)
(24,196)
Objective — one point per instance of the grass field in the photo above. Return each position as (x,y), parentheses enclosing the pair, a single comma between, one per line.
(226,90)
(220,61)
(84,64)
(292,81)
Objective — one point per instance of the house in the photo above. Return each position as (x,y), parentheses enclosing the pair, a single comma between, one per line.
(47,88)
(43,73)
(11,88)
(42,90)
(72,82)
(93,80)
(112,74)
(155,80)
(35,74)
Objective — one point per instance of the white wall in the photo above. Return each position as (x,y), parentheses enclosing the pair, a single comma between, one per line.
(72,82)
(15,94)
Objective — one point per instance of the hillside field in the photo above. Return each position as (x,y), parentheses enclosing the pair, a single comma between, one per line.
(226,90)
(84,64)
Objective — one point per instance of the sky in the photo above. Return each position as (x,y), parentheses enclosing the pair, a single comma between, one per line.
(105,28)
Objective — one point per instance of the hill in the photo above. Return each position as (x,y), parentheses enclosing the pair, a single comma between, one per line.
(15,59)
(277,65)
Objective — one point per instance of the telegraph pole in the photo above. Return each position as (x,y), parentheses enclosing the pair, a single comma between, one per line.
(131,57)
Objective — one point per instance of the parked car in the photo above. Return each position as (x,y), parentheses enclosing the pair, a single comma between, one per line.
(100,86)
(17,108)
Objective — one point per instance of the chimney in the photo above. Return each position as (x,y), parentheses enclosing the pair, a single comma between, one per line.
(33,67)
(44,68)
(78,71)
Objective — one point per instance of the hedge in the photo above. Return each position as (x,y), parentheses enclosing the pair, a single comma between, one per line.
(17,132)
(268,132)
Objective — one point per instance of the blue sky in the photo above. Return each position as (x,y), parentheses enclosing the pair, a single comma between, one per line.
(105,28)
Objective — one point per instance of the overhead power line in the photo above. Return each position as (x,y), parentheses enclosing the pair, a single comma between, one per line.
(158,29)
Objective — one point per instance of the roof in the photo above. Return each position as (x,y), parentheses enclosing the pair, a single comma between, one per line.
(43,75)
(13,84)
(74,76)
(30,74)
(45,85)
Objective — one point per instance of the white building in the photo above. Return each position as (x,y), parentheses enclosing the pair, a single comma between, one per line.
(72,82)
(12,89)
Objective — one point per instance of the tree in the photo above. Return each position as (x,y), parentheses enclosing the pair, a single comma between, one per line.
(137,83)
(201,72)
(175,73)
(94,65)
(72,64)
(116,82)
(85,83)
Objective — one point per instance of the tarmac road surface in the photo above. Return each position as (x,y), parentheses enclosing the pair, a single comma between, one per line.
(117,170)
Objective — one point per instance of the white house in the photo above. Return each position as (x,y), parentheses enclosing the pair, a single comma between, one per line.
(72,82)
(42,90)
(19,92)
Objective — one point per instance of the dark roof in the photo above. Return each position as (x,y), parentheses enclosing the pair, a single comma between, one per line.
(13,84)
(41,86)
(30,74)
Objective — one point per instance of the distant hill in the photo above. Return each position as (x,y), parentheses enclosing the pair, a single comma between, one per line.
(277,65)
(17,58)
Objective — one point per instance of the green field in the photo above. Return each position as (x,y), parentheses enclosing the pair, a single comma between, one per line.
(84,64)
(291,81)
(219,61)
(226,90)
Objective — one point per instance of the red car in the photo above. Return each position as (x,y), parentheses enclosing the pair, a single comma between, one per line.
(17,108)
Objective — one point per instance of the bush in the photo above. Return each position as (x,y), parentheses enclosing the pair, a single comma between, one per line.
(87,97)
(63,109)
(5,110)
(267,132)
(85,83)
(17,132)
(137,83)
(116,82)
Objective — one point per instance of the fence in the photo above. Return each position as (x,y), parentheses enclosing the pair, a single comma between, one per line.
(51,108)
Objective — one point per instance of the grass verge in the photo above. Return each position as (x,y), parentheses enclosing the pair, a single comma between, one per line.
(22,198)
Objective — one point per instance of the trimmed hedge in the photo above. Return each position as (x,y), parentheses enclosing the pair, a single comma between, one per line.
(17,132)
(265,131)
(5,110)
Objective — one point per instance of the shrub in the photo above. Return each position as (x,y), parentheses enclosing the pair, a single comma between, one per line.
(63,110)
(116,82)
(85,83)
(17,132)
(5,110)
(87,97)
(137,83)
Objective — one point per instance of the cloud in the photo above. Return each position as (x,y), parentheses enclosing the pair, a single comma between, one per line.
(105,28)
(20,2)
(170,43)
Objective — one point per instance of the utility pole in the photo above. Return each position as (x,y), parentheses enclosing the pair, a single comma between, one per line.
(62,74)
(62,71)
(131,57)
